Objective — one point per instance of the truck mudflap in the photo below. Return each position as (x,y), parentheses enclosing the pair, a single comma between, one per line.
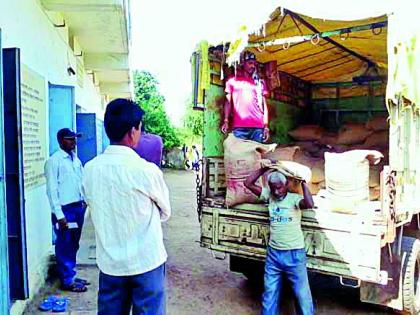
(336,244)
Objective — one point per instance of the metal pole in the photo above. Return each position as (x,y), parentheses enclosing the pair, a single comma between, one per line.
(325,35)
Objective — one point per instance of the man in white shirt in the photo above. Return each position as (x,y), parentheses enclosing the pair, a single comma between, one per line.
(63,171)
(127,199)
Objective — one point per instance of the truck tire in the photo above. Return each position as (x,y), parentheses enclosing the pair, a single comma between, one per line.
(411,275)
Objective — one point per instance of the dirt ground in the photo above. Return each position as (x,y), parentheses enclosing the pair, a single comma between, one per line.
(200,284)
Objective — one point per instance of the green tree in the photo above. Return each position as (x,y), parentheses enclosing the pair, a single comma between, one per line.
(156,120)
(193,121)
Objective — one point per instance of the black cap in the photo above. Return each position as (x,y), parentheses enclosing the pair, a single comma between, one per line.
(67,133)
(248,55)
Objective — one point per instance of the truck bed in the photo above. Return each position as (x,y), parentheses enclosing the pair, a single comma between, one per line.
(346,245)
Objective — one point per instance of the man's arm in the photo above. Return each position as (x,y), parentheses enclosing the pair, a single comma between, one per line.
(51,173)
(307,202)
(251,180)
(227,109)
(159,193)
(266,135)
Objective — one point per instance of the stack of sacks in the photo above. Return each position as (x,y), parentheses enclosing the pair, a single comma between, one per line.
(352,136)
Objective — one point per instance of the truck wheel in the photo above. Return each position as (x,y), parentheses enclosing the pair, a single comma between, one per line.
(411,275)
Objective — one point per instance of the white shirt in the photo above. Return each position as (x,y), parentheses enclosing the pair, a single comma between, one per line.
(64,180)
(127,199)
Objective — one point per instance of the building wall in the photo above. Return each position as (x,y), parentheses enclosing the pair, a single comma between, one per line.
(43,49)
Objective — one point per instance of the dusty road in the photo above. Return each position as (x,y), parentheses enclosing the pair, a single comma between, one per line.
(200,284)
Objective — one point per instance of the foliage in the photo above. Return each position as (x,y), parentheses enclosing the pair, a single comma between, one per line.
(194,122)
(156,120)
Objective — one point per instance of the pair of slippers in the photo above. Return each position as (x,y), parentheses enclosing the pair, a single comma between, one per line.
(78,285)
(56,304)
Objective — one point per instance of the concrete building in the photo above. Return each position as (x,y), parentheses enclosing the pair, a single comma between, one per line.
(62,61)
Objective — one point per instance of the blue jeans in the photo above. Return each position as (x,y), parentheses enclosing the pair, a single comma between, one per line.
(254,134)
(292,265)
(67,242)
(144,293)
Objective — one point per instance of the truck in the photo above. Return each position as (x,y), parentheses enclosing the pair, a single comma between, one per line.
(331,71)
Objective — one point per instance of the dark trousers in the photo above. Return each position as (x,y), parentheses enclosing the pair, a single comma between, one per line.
(67,242)
(254,134)
(144,293)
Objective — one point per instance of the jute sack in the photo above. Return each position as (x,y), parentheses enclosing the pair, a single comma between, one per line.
(281,154)
(241,158)
(307,132)
(352,134)
(377,139)
(318,173)
(295,172)
(377,123)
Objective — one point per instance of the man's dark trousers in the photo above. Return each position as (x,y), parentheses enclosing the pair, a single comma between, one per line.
(67,242)
(143,293)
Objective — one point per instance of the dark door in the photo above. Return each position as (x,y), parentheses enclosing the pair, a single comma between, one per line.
(4,261)
(14,175)
(87,147)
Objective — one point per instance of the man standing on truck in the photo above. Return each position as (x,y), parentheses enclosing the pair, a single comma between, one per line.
(127,198)
(245,101)
(286,254)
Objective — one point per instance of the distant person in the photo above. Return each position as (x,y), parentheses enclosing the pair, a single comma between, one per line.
(127,199)
(185,152)
(196,159)
(63,171)
(246,102)
(150,147)
(286,255)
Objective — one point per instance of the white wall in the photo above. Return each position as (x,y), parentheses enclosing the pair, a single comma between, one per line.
(26,26)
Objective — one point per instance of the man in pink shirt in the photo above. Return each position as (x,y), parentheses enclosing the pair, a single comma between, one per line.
(246,103)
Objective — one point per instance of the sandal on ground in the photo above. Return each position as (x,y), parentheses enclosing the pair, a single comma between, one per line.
(60,305)
(47,304)
(82,281)
(74,287)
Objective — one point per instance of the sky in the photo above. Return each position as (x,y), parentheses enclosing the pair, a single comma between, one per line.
(165,34)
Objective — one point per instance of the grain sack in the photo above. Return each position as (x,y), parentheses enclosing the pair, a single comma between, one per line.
(347,179)
(281,154)
(329,138)
(318,174)
(293,170)
(304,159)
(308,146)
(378,139)
(307,132)
(374,177)
(241,158)
(352,134)
(377,123)
(340,148)
(294,186)
(374,193)
(314,188)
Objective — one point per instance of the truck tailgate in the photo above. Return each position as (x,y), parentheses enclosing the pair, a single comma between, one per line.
(339,244)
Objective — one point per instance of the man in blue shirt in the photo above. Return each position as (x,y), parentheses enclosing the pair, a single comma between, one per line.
(63,171)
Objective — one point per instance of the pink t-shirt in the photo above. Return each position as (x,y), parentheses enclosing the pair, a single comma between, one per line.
(248,109)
